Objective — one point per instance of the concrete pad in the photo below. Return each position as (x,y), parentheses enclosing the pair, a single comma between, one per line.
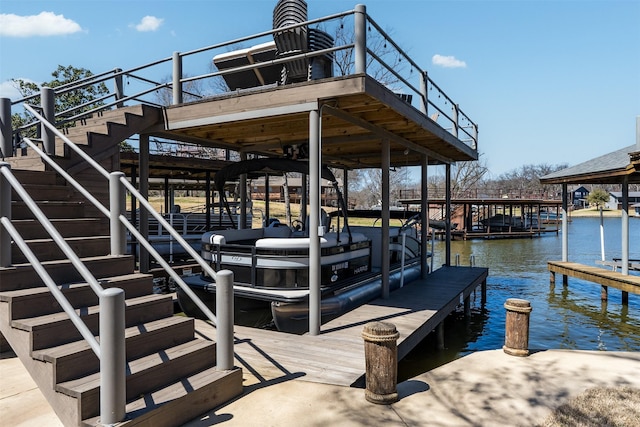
(486,388)
(21,402)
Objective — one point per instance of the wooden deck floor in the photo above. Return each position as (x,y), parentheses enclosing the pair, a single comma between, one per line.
(336,356)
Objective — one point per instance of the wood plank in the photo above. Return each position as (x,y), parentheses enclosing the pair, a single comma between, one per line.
(601,276)
(336,356)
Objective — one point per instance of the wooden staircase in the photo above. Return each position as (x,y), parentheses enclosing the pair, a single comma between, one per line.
(171,374)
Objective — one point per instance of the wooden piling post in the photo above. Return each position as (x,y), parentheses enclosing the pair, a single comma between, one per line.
(604,293)
(381,357)
(516,342)
(440,335)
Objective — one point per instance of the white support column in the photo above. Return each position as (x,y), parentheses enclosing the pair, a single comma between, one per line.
(314,223)
(625,226)
(565,224)
(386,166)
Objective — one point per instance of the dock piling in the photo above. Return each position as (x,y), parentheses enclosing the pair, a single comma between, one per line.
(516,342)
(381,357)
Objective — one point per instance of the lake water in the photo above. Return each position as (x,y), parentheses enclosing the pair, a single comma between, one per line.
(562,318)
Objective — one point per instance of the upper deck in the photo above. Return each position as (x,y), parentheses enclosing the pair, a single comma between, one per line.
(357,114)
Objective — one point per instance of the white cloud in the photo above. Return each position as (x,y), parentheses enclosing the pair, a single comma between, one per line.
(43,24)
(149,23)
(448,61)
(8,89)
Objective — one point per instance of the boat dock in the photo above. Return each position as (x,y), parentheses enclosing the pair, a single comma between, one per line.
(336,355)
(607,278)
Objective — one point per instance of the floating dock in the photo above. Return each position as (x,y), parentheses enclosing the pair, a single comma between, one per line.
(336,356)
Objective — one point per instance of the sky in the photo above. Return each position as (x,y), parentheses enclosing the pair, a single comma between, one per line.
(547,81)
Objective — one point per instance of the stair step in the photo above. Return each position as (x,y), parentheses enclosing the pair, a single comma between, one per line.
(77,359)
(177,403)
(36,177)
(23,276)
(51,208)
(46,192)
(40,301)
(48,250)
(55,329)
(146,374)
(32,229)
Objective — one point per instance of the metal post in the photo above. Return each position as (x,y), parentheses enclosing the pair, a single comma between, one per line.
(207,202)
(243,197)
(384,267)
(424,91)
(314,222)
(224,314)
(447,218)
(117,207)
(48,111)
(118,87)
(5,211)
(565,224)
(6,130)
(144,191)
(424,213)
(177,76)
(360,38)
(113,360)
(625,225)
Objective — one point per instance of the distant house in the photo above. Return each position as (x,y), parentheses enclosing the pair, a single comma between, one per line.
(615,200)
(579,196)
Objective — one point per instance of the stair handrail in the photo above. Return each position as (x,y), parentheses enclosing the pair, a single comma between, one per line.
(120,177)
(111,302)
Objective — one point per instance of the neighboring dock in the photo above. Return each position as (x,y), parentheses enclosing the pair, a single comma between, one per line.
(607,278)
(336,356)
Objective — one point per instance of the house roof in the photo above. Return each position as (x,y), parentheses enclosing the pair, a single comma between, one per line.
(609,168)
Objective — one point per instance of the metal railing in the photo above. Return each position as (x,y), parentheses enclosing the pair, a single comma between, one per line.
(111,300)
(111,348)
(361,50)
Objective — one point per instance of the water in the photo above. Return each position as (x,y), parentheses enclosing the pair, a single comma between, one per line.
(562,318)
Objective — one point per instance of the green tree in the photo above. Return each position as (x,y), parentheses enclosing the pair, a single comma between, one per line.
(69,103)
(598,197)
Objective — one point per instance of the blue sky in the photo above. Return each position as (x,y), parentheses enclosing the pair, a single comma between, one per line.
(546,81)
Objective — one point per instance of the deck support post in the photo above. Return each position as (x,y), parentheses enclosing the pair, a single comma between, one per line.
(604,293)
(467,307)
(440,335)
(516,341)
(6,129)
(144,191)
(118,87)
(565,280)
(314,223)
(381,357)
(447,219)
(243,197)
(47,101)
(224,315)
(386,166)
(424,217)
(625,298)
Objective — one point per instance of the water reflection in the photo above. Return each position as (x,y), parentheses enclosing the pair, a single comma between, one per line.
(564,317)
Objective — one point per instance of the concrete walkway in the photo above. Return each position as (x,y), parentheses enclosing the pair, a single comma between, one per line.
(487,388)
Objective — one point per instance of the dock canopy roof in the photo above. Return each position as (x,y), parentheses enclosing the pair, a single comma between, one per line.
(607,169)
